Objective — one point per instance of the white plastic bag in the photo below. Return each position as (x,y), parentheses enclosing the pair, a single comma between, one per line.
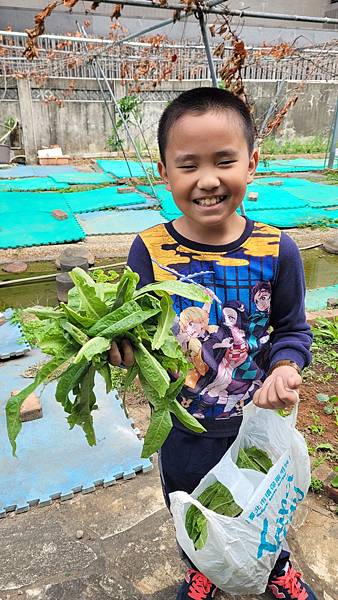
(240,552)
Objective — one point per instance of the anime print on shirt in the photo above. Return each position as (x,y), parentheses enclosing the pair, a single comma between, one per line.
(226,339)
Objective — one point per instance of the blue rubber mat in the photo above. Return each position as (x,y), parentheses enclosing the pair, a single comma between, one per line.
(30,184)
(292,165)
(82,178)
(146,189)
(53,461)
(295,217)
(12,339)
(148,203)
(26,220)
(108,197)
(119,168)
(35,171)
(317,299)
(271,198)
(118,222)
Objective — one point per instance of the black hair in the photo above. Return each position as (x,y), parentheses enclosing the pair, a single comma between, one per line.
(260,286)
(200,100)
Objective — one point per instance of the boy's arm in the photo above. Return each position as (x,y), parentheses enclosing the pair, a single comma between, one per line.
(291,337)
(140,262)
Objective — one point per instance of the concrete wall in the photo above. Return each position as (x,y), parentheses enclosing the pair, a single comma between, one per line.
(82,124)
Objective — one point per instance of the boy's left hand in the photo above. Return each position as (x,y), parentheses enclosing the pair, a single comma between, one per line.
(280,389)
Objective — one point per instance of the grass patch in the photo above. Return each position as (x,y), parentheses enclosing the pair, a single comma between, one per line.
(312,146)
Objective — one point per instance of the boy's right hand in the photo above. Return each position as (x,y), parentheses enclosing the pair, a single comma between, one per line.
(122,354)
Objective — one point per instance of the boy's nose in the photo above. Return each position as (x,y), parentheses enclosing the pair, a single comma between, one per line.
(208,181)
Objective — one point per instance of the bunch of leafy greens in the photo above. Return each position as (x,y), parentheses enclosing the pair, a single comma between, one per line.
(78,336)
(218,498)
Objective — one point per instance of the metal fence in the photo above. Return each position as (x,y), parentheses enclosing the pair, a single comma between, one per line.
(71,58)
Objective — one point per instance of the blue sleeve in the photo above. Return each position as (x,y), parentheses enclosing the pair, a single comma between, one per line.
(291,337)
(139,261)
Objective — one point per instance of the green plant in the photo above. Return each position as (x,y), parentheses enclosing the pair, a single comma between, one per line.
(314,145)
(332,176)
(100,276)
(78,336)
(316,485)
(325,344)
(316,428)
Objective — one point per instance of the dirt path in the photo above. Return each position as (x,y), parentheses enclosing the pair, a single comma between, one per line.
(110,246)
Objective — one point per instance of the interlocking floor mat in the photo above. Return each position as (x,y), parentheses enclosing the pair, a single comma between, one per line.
(82,178)
(12,341)
(317,299)
(35,171)
(30,184)
(291,165)
(26,220)
(117,221)
(295,217)
(120,169)
(108,197)
(55,462)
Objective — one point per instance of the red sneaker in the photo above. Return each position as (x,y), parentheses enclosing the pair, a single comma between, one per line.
(196,586)
(290,586)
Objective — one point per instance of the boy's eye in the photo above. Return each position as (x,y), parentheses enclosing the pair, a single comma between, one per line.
(226,162)
(187,167)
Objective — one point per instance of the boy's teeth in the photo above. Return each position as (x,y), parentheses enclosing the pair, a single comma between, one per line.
(209,201)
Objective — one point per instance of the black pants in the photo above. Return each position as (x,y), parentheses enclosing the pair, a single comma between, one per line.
(185,459)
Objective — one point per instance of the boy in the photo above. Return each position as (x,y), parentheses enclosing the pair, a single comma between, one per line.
(255,276)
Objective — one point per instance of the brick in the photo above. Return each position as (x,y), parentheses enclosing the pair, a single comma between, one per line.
(252,196)
(31,408)
(311,317)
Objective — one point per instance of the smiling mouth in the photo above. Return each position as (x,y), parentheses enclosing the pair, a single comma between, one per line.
(209,201)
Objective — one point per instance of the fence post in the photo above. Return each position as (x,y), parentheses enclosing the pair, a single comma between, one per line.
(334,140)
(27,121)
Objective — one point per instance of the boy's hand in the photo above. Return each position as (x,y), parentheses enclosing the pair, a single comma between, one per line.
(280,389)
(121,354)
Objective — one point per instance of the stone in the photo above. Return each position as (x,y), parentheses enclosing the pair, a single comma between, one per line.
(253,196)
(79,534)
(331,244)
(63,285)
(76,251)
(275,183)
(59,215)
(15,267)
(67,263)
(332,303)
(31,408)
(126,189)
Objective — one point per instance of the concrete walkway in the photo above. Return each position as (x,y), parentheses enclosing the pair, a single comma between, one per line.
(118,543)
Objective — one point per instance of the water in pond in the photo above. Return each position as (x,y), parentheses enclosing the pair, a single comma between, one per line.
(321,270)
(43,293)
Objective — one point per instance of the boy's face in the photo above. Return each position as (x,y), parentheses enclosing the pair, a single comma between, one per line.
(208,166)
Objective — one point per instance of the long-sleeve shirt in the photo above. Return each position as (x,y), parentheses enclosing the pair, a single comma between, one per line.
(255,317)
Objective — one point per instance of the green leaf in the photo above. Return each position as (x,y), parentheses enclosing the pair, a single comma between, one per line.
(152,370)
(322,397)
(179,288)
(68,380)
(157,433)
(105,372)
(44,312)
(334,482)
(165,322)
(185,418)
(94,346)
(254,458)
(56,344)
(329,409)
(121,320)
(90,302)
(83,405)
(126,287)
(325,447)
(76,333)
(77,318)
(14,403)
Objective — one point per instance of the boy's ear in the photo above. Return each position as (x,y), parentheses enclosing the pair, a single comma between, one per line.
(253,162)
(163,173)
